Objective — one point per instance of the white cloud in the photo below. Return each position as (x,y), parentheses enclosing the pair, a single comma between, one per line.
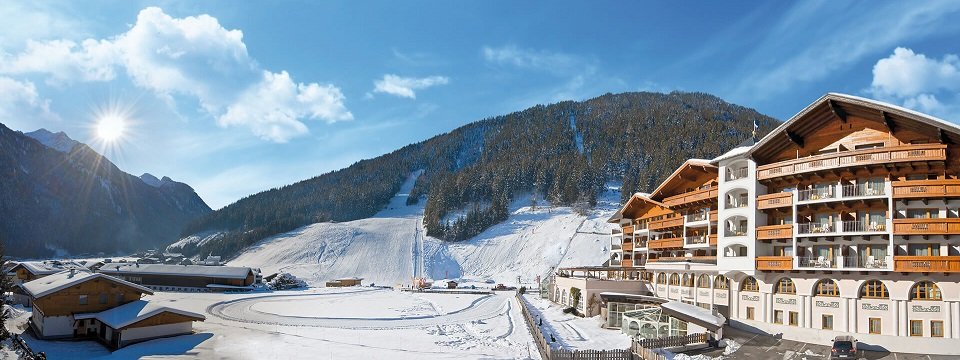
(21,99)
(193,56)
(916,81)
(405,86)
(554,62)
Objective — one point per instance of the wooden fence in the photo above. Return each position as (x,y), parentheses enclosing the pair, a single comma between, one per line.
(672,341)
(547,352)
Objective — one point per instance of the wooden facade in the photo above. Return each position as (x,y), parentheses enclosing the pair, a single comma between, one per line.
(67,301)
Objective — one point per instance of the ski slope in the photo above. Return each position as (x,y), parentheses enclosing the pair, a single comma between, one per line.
(391,248)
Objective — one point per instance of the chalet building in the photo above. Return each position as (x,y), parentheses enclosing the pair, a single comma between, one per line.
(844,219)
(164,277)
(27,271)
(82,304)
(344,282)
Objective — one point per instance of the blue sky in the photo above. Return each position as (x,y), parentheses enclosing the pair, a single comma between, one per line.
(238,97)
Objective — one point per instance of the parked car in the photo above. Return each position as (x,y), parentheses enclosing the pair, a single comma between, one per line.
(844,347)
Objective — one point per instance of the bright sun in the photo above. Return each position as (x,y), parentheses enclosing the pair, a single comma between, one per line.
(110,128)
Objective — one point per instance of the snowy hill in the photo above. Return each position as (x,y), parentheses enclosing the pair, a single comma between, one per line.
(390,248)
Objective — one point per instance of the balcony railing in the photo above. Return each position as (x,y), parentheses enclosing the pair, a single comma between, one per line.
(713,216)
(640,226)
(672,243)
(841,226)
(692,259)
(870,262)
(776,200)
(926,189)
(926,226)
(691,197)
(926,263)
(882,155)
(640,244)
(695,240)
(865,189)
(739,231)
(735,204)
(863,226)
(628,246)
(820,262)
(772,232)
(666,223)
(774,262)
(628,230)
(816,194)
(712,239)
(697,216)
(737,174)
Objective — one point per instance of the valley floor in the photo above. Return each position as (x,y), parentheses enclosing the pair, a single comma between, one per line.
(328,324)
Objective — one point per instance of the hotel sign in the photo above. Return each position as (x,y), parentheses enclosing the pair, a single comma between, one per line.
(786,301)
(751,298)
(704,293)
(721,295)
(673,290)
(877,307)
(828,304)
(926,309)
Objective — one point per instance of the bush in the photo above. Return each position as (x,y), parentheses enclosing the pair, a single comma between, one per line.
(570,310)
(522,290)
(286,281)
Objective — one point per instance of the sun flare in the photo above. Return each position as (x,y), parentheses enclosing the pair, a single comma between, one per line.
(110,128)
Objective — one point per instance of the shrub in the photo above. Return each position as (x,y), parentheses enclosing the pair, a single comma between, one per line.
(522,290)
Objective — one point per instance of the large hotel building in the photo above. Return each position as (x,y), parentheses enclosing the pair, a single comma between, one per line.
(842,220)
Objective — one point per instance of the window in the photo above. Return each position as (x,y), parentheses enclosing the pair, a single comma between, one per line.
(916,327)
(735,250)
(785,286)
(661,278)
(874,325)
(826,287)
(925,290)
(703,281)
(750,285)
(783,250)
(83,299)
(749,312)
(687,280)
(778,316)
(674,279)
(924,249)
(103,299)
(923,213)
(720,282)
(936,328)
(874,289)
(826,322)
(794,318)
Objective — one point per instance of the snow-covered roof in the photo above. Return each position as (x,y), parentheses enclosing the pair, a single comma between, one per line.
(134,312)
(693,313)
(737,151)
(231,272)
(50,284)
(49,266)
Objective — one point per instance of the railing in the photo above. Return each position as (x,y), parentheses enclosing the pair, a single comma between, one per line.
(863,226)
(616,232)
(640,226)
(672,243)
(774,262)
(882,155)
(816,262)
(713,216)
(692,196)
(816,194)
(775,200)
(628,229)
(691,259)
(740,231)
(856,262)
(926,263)
(816,228)
(925,188)
(737,174)
(666,223)
(736,204)
(628,246)
(614,262)
(771,232)
(695,240)
(864,189)
(926,226)
(712,239)
(697,216)
(671,341)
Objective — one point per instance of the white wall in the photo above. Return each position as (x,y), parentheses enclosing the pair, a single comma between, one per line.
(57,326)
(149,332)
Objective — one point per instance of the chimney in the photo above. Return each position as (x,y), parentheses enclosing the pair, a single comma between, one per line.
(73,272)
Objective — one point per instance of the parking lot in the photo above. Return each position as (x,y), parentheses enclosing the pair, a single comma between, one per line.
(754,346)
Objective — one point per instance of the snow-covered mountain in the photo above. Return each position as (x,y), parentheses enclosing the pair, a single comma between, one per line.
(59,195)
(391,248)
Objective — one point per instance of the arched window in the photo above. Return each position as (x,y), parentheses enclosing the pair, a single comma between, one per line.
(826,287)
(735,250)
(874,289)
(703,281)
(674,279)
(736,198)
(563,297)
(785,286)
(720,282)
(925,290)
(750,285)
(735,226)
(688,280)
(661,278)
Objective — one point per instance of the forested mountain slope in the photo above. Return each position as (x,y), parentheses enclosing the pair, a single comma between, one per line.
(563,153)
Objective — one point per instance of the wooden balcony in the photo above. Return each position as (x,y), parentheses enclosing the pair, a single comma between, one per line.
(712,239)
(628,246)
(774,263)
(691,259)
(628,229)
(692,197)
(773,232)
(713,216)
(926,226)
(673,243)
(876,156)
(926,189)
(673,222)
(775,200)
(926,263)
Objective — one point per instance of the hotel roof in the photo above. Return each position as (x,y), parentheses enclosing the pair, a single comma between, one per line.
(177,270)
(50,284)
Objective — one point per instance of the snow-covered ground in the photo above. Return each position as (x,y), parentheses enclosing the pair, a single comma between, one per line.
(334,323)
(391,247)
(574,332)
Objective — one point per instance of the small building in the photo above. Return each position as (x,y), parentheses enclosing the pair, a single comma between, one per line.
(81,304)
(27,271)
(344,282)
(452,284)
(164,277)
(580,287)
(211,261)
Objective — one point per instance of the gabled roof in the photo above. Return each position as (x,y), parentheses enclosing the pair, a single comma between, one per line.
(133,312)
(47,267)
(834,105)
(50,284)
(687,174)
(638,202)
(230,272)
